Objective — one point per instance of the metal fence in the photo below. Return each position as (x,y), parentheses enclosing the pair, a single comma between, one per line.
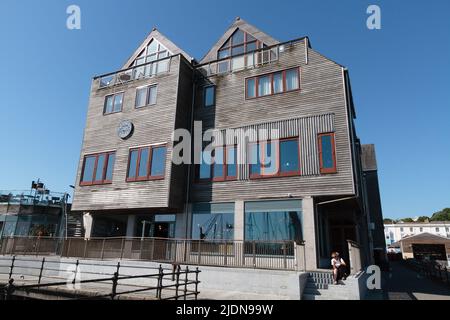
(98,281)
(278,255)
(432,269)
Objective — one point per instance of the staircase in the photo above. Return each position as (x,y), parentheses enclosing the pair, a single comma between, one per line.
(319,286)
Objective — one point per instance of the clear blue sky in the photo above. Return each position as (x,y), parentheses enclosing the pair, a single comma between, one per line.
(400,77)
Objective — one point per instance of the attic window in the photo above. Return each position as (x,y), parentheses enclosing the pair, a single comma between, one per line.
(237,46)
(154,51)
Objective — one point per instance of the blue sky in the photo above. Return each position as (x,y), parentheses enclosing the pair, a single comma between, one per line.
(400,78)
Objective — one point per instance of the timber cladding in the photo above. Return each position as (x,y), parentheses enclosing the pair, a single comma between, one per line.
(152,125)
(319,106)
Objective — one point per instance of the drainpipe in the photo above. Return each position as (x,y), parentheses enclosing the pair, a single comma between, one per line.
(188,187)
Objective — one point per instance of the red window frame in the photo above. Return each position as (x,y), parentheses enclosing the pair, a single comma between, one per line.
(262,145)
(114,95)
(94,172)
(225,176)
(333,146)
(272,87)
(148,176)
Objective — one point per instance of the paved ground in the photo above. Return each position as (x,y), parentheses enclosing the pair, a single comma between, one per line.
(403,283)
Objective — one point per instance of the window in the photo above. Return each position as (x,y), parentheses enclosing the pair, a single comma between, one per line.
(273,220)
(327,153)
(274,83)
(411,229)
(97,169)
(213,221)
(218,165)
(437,229)
(276,158)
(421,229)
(239,47)
(209,98)
(146,163)
(145,96)
(113,103)
(154,51)
(401,229)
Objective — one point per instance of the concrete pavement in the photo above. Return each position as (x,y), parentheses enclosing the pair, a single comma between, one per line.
(403,283)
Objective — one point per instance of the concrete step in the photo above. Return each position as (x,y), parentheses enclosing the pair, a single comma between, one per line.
(321,281)
(314,285)
(307,296)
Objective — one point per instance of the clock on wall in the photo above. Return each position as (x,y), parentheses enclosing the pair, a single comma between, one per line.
(125,129)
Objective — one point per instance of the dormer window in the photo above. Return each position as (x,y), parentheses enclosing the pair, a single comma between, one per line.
(238,46)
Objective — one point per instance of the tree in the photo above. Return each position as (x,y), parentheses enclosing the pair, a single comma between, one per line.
(407,220)
(443,215)
(388,221)
(423,219)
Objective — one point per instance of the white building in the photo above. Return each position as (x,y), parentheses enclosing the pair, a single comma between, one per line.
(396,232)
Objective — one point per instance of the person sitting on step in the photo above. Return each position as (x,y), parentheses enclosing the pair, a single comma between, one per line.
(339,266)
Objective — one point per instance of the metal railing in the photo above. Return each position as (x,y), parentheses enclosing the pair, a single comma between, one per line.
(247,60)
(31,197)
(143,71)
(166,284)
(277,255)
(431,269)
(354,253)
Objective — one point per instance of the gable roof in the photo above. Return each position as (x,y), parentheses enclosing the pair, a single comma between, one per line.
(423,236)
(155,34)
(244,26)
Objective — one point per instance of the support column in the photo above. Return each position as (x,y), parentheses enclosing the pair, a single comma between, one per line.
(87,225)
(309,231)
(182,223)
(239,220)
(131,225)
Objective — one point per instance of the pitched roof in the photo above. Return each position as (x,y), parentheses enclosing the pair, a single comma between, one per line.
(155,34)
(244,26)
(424,236)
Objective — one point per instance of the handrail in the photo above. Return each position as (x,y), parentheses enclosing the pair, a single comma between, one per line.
(160,275)
(290,42)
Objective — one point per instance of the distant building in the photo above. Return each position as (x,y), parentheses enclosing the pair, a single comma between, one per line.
(32,213)
(398,231)
(424,246)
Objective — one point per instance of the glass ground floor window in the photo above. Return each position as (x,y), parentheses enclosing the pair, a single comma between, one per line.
(155,226)
(213,221)
(273,220)
(30,225)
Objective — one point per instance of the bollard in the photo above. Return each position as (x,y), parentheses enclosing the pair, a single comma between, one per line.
(115,280)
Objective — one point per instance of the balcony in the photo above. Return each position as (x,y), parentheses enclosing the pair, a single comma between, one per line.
(31,198)
(249,60)
(142,71)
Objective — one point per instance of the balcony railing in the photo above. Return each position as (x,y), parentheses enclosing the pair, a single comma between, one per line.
(31,197)
(143,71)
(274,255)
(248,60)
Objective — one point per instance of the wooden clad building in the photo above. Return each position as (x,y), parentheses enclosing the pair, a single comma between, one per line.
(283,101)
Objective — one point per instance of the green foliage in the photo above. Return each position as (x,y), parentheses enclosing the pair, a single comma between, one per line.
(423,219)
(443,215)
